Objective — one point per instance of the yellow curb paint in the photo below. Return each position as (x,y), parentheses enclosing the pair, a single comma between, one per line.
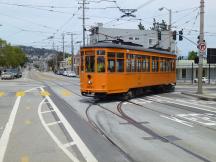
(44,93)
(20,93)
(28,122)
(65,93)
(2,94)
(24,159)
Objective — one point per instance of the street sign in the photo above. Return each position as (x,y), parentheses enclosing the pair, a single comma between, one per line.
(202,47)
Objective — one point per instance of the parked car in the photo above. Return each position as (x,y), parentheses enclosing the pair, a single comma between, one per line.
(204,80)
(7,75)
(71,74)
(65,73)
(61,72)
(16,72)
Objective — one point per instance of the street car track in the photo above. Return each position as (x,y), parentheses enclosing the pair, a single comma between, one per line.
(130,120)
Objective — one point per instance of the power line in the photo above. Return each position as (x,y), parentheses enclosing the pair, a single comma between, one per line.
(34,7)
(145,4)
(26,20)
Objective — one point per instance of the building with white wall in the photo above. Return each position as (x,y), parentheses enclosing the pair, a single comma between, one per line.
(186,70)
(146,38)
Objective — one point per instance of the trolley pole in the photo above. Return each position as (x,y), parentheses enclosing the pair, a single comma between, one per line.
(201,53)
(83,18)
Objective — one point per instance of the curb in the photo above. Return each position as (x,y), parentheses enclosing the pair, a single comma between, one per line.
(202,97)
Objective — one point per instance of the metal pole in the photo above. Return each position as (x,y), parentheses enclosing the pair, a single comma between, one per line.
(200,70)
(170,28)
(83,22)
(63,46)
(170,19)
(72,53)
(54,58)
(209,73)
(192,77)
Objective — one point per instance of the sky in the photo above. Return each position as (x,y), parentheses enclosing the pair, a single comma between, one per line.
(33,22)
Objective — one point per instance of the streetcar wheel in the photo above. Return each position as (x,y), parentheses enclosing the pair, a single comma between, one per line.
(128,95)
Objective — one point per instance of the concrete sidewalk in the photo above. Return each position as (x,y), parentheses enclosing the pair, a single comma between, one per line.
(205,96)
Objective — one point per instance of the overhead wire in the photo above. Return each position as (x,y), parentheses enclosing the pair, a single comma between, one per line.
(34,7)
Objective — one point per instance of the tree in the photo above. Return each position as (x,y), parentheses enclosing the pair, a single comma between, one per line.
(141,27)
(192,55)
(11,56)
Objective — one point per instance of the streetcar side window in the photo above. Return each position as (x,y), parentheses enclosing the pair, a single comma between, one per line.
(173,65)
(120,62)
(90,63)
(82,61)
(138,63)
(154,64)
(128,63)
(145,65)
(111,62)
(162,65)
(133,63)
(100,52)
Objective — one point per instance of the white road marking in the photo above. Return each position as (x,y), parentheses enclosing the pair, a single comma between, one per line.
(177,120)
(198,118)
(180,100)
(48,111)
(69,144)
(53,123)
(141,101)
(7,131)
(89,157)
(33,89)
(160,99)
(60,145)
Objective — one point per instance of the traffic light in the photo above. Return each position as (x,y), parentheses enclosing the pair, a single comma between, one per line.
(196,60)
(180,35)
(174,35)
(159,35)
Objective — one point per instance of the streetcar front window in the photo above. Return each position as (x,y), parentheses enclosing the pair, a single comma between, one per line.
(100,64)
(90,63)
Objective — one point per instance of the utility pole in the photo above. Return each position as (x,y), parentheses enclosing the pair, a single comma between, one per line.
(54,58)
(72,52)
(63,46)
(201,40)
(83,3)
(83,22)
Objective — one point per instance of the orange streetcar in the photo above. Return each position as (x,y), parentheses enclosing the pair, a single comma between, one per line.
(108,68)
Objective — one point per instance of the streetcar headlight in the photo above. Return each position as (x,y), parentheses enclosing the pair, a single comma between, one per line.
(89,82)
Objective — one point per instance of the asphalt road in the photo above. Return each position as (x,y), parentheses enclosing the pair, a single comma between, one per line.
(44,118)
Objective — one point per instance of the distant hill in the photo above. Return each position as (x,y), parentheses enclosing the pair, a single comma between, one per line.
(32,51)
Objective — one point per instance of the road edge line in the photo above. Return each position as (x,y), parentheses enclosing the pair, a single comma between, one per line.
(55,139)
(89,157)
(7,131)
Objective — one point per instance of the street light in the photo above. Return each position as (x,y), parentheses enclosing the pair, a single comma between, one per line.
(170,16)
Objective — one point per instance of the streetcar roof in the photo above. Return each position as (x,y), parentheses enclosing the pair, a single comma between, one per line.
(128,47)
